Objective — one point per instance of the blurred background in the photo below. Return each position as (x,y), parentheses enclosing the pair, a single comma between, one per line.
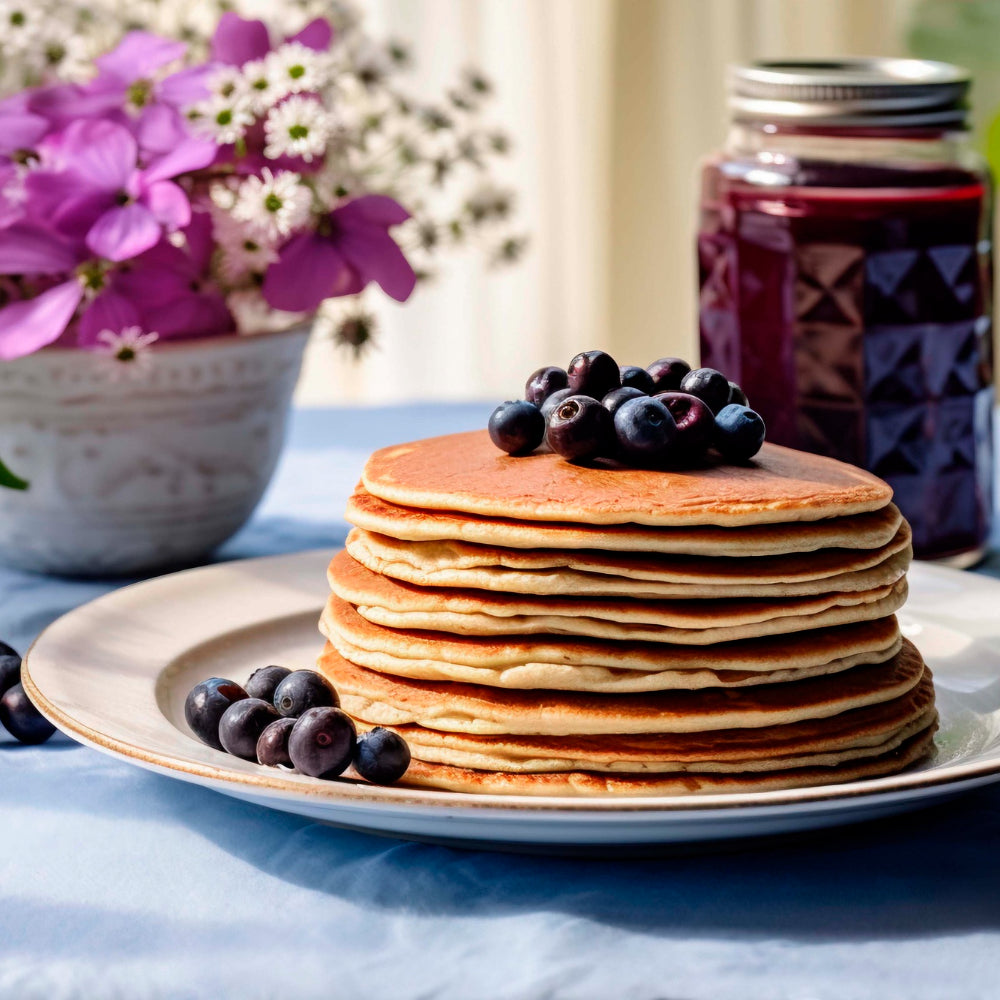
(610,104)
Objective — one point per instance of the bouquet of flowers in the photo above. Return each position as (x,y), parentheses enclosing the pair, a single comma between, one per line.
(169,190)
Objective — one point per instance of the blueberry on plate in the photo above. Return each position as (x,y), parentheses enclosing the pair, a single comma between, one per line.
(517,427)
(695,425)
(667,373)
(543,382)
(302,690)
(264,680)
(709,385)
(382,756)
(10,670)
(241,726)
(739,432)
(636,378)
(644,428)
(616,397)
(737,395)
(553,401)
(322,742)
(272,746)
(205,704)
(593,373)
(21,719)
(580,429)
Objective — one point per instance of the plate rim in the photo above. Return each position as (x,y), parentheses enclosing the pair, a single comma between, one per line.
(350,793)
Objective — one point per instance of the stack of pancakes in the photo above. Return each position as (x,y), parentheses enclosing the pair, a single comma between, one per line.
(531,626)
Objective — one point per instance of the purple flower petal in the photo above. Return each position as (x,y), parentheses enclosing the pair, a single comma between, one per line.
(123,232)
(309,269)
(317,34)
(188,86)
(138,54)
(169,205)
(370,210)
(64,103)
(27,326)
(109,311)
(191,154)
(159,130)
(373,253)
(237,41)
(200,240)
(101,153)
(21,131)
(27,250)
(195,314)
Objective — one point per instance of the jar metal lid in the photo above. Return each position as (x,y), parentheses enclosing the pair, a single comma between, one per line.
(888,93)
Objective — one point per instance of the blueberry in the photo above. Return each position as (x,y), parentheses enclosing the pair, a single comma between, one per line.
(264,680)
(205,704)
(322,742)
(553,401)
(737,395)
(543,383)
(739,432)
(580,428)
(302,690)
(695,424)
(272,746)
(616,397)
(21,719)
(644,428)
(636,378)
(382,757)
(517,427)
(242,724)
(593,373)
(10,670)
(709,386)
(667,373)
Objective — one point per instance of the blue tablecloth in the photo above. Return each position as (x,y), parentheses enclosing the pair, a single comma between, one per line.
(115,882)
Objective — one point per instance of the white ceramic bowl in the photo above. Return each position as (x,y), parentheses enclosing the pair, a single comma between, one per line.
(136,468)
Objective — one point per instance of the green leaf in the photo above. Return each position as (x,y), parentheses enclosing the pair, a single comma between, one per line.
(8,479)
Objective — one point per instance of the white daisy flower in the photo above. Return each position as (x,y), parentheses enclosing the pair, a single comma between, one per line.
(228,82)
(295,69)
(263,91)
(23,26)
(224,119)
(253,315)
(298,126)
(242,252)
(273,205)
(129,347)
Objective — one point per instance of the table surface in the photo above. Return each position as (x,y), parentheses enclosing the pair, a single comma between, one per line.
(115,882)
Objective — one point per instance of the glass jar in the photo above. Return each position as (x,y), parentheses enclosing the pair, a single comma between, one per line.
(845,266)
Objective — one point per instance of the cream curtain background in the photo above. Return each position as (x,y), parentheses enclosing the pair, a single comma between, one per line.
(611,103)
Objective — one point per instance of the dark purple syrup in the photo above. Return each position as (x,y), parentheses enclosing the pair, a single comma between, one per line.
(852,305)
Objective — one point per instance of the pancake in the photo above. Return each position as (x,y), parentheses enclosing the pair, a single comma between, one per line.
(466,472)
(588,783)
(400,605)
(860,531)
(515,755)
(565,664)
(378,699)
(436,564)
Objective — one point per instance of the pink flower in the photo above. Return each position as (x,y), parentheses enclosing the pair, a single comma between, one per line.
(99,194)
(352,248)
(237,40)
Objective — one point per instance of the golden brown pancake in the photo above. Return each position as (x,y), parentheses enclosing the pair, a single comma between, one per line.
(401,605)
(438,564)
(569,664)
(466,472)
(869,727)
(859,531)
(588,783)
(379,699)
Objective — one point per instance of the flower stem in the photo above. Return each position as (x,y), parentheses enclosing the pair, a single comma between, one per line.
(10,481)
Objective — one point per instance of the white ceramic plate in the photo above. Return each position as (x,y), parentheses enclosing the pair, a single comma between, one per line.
(114,674)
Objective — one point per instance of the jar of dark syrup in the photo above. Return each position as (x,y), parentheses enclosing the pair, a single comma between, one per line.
(845,266)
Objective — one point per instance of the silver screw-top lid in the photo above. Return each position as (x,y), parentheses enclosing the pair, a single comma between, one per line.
(891,93)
